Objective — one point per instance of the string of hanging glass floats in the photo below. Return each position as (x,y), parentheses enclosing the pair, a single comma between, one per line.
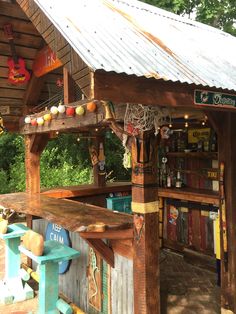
(48,109)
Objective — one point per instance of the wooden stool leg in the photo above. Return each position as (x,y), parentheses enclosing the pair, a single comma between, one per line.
(12,258)
(48,288)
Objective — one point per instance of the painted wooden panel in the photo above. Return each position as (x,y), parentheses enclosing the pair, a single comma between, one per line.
(73,284)
(122,286)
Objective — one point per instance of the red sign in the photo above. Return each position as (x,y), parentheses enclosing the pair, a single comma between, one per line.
(45,61)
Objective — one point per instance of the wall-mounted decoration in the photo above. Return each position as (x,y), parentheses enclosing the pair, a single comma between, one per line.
(45,61)
(57,233)
(95,280)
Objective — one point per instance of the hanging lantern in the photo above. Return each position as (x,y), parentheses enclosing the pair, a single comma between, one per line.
(27,120)
(91,106)
(61,108)
(47,117)
(40,121)
(34,122)
(54,110)
(70,111)
(80,110)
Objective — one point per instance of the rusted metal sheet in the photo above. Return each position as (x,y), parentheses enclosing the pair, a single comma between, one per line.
(71,215)
(139,39)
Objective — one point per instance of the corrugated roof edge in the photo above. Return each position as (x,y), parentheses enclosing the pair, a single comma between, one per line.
(167,14)
(205,87)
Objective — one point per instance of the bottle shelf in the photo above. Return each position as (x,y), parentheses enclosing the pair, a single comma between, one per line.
(204,155)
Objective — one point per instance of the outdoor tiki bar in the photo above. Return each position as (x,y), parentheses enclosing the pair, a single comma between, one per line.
(161,84)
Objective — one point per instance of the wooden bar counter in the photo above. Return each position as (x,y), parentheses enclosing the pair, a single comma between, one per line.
(72,215)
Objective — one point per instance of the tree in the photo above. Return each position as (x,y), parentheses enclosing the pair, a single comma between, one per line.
(217,13)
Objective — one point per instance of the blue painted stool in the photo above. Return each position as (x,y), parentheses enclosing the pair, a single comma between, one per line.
(54,253)
(13,289)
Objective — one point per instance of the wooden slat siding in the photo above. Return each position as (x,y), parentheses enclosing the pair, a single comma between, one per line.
(52,42)
(11,102)
(10,9)
(22,39)
(4,83)
(28,53)
(83,72)
(49,32)
(36,19)
(64,51)
(73,283)
(3,65)
(122,286)
(14,93)
(19,25)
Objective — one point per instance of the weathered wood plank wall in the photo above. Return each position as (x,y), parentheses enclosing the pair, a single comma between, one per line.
(74,283)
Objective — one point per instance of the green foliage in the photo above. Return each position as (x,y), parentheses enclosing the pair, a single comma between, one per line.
(64,162)
(218,13)
(114,159)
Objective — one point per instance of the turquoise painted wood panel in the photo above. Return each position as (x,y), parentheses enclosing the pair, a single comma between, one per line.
(53,251)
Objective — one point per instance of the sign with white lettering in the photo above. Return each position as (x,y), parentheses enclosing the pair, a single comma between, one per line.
(208,98)
(57,233)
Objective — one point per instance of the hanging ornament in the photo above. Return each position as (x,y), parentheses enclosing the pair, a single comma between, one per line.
(54,110)
(27,120)
(127,159)
(59,82)
(47,117)
(91,106)
(40,121)
(34,122)
(61,108)
(80,110)
(70,111)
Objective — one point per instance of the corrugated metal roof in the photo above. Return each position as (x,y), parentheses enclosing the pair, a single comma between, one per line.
(132,37)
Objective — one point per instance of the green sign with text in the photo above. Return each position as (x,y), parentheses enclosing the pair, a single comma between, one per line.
(207,98)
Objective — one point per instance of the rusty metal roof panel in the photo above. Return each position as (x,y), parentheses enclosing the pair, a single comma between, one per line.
(128,36)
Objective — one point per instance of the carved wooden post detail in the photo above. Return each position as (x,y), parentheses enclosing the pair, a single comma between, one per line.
(146,239)
(97,154)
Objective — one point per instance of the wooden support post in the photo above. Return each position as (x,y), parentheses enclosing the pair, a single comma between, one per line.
(225,126)
(34,145)
(69,87)
(146,238)
(98,160)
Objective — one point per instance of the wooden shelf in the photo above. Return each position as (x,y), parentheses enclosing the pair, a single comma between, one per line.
(189,194)
(204,155)
(87,190)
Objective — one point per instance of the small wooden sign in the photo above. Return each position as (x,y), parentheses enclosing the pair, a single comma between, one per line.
(211,173)
(4,110)
(45,61)
(209,98)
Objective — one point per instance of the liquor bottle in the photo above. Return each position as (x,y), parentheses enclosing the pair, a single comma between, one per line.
(214,143)
(168,180)
(178,182)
